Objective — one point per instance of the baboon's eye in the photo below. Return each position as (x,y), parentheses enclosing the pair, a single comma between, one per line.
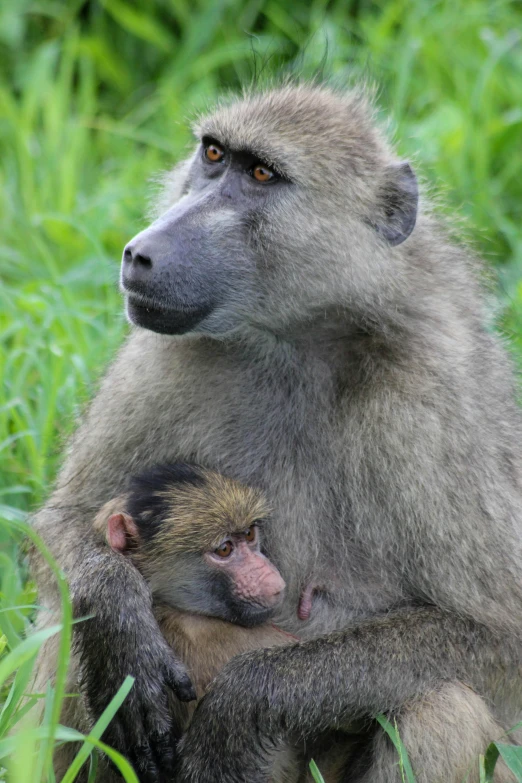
(225,550)
(250,534)
(262,173)
(214,153)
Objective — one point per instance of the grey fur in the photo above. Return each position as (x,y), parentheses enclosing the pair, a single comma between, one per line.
(355,382)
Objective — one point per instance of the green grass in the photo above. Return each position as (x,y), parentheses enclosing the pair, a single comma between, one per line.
(94,99)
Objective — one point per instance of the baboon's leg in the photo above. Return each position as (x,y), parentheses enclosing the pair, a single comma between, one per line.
(443,732)
(73,714)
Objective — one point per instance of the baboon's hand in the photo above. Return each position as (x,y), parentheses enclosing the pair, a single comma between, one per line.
(143,728)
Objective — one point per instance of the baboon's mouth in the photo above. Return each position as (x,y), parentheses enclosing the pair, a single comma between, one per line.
(164,320)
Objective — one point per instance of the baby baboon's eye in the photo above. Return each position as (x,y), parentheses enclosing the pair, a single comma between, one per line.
(214,153)
(225,550)
(250,534)
(263,173)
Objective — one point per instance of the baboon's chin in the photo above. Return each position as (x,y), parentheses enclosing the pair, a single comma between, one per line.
(165,321)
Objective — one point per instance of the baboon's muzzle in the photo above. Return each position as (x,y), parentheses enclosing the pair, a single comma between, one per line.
(149,299)
(170,274)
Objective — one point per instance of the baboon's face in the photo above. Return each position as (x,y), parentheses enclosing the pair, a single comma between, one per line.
(277,211)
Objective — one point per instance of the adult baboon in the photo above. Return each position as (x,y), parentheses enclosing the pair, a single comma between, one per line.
(347,372)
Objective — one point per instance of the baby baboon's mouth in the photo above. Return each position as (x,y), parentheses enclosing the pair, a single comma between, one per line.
(164,320)
(252,615)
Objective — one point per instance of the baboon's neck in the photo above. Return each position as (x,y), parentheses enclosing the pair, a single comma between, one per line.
(348,350)
(336,344)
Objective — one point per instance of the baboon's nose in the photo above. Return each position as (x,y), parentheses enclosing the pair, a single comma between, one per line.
(136,256)
(136,263)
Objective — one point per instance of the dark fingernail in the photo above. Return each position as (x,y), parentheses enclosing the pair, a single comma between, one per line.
(185,691)
(182,686)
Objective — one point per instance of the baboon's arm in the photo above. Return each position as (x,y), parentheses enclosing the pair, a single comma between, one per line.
(300,691)
(119,637)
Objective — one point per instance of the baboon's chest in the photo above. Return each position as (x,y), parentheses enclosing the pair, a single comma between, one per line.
(310,536)
(280,439)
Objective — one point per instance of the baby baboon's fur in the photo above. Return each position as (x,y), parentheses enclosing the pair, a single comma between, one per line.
(177,515)
(336,356)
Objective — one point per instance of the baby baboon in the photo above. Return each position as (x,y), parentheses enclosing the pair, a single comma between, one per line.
(195,537)
(337,357)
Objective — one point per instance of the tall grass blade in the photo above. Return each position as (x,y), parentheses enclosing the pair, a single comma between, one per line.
(99,727)
(64,650)
(404,761)
(314,769)
(490,761)
(512,755)
(25,651)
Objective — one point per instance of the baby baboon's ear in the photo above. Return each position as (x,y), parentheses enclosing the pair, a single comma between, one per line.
(398,201)
(122,531)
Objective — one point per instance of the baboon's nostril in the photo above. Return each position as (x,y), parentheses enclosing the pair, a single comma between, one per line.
(136,258)
(142,260)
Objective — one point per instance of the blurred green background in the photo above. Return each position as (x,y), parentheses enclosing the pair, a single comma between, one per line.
(95,99)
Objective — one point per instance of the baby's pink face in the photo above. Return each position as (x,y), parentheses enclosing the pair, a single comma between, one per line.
(253,576)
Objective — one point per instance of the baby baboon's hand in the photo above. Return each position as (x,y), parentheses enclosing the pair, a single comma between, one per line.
(143,729)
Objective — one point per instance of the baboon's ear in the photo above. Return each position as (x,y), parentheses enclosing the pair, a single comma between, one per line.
(121,532)
(398,201)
